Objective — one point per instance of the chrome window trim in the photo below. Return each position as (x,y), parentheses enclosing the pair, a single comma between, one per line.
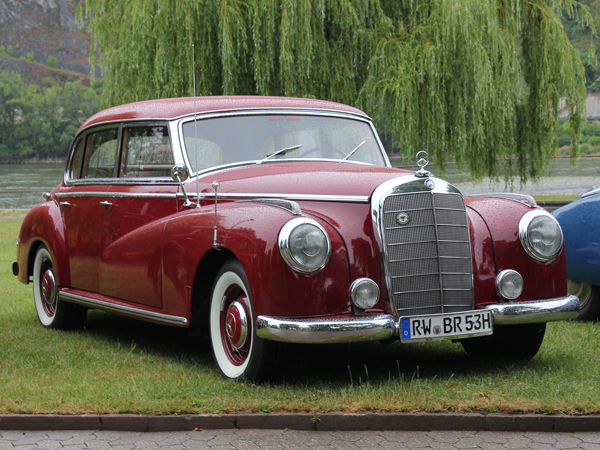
(255,112)
(84,135)
(523,235)
(121,181)
(176,150)
(122,309)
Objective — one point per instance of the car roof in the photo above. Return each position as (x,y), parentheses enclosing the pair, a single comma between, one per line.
(171,108)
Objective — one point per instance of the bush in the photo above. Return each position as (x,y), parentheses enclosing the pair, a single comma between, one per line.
(52,62)
(591,129)
(586,149)
(594,141)
(564,139)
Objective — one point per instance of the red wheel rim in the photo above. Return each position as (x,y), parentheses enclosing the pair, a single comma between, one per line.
(236,325)
(48,288)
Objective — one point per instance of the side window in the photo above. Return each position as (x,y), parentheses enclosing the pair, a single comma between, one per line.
(147,152)
(76,160)
(100,154)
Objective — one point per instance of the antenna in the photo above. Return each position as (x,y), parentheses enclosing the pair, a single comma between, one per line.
(195,129)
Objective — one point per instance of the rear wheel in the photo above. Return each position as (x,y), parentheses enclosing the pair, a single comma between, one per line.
(52,312)
(509,342)
(589,297)
(238,352)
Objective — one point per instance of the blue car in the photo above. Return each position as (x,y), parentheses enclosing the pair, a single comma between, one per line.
(580,223)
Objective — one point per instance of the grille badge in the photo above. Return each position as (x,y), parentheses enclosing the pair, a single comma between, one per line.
(429,183)
(403,218)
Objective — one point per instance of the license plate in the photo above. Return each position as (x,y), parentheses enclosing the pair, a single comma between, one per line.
(446,326)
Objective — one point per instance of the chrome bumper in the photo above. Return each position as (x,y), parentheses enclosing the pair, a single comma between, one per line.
(539,311)
(375,328)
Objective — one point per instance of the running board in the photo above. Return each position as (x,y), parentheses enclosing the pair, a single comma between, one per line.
(122,309)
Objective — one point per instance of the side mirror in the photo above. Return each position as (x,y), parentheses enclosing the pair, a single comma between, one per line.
(179,173)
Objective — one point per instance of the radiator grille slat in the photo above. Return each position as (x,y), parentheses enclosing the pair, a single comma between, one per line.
(429,258)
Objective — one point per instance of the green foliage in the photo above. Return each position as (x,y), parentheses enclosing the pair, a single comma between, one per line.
(52,62)
(41,121)
(583,36)
(476,81)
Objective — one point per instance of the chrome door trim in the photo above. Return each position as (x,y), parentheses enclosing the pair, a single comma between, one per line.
(125,310)
(293,197)
(113,195)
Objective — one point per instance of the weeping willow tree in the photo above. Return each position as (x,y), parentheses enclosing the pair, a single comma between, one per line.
(475,81)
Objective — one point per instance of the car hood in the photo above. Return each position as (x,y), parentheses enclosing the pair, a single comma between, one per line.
(299,178)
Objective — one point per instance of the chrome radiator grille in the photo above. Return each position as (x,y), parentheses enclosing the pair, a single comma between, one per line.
(429,258)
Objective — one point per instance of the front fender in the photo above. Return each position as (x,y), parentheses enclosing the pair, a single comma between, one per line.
(542,280)
(250,233)
(43,224)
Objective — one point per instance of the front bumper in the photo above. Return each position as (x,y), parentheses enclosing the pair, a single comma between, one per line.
(385,326)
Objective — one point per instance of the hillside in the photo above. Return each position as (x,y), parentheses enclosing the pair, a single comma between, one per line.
(39,39)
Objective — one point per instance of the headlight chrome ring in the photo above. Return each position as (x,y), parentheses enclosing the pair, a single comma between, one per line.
(304,245)
(540,235)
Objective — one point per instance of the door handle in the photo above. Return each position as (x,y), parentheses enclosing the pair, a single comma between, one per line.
(65,204)
(106,203)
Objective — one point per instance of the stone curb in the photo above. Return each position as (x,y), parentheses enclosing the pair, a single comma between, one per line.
(306,421)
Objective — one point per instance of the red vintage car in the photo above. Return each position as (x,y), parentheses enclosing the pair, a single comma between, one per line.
(257,220)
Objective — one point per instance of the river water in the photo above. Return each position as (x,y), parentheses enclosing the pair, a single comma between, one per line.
(561,178)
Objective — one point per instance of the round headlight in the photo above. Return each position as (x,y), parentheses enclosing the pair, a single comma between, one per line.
(364,293)
(540,235)
(509,284)
(304,245)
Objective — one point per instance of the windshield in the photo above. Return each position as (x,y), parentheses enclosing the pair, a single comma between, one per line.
(275,137)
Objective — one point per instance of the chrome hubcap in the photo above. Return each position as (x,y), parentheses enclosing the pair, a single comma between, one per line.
(49,287)
(236,324)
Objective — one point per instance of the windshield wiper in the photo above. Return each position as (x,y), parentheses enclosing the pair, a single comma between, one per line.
(282,151)
(365,139)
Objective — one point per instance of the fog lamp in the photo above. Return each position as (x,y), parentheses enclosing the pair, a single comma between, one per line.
(364,293)
(509,284)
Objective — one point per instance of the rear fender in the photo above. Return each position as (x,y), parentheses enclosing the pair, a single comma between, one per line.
(43,225)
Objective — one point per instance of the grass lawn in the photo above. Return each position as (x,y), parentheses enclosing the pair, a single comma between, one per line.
(119,365)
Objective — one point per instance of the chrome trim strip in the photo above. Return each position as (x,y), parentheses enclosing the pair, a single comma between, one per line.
(539,311)
(326,331)
(115,195)
(595,190)
(525,199)
(294,197)
(288,205)
(125,310)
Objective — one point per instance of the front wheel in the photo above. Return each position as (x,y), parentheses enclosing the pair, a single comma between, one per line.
(52,312)
(508,342)
(239,353)
(589,298)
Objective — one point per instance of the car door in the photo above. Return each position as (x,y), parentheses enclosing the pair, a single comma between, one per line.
(90,171)
(143,193)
